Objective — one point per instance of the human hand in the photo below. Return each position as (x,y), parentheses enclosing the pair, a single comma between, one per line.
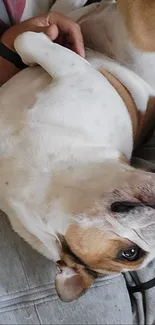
(58,28)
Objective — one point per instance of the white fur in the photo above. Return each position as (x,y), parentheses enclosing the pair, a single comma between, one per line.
(63,129)
(61,139)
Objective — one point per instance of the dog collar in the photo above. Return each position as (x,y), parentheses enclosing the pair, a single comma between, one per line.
(126,97)
(11,56)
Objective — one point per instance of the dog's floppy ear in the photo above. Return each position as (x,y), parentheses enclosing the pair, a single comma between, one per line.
(72,283)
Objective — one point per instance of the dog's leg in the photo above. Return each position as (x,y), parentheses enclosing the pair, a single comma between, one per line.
(57,60)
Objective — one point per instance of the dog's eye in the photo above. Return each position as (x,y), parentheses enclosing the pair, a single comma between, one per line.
(131,254)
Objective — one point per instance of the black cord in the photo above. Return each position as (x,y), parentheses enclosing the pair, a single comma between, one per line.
(11,56)
(89,2)
(140,287)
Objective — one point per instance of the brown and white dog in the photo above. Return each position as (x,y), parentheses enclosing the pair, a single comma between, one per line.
(67,130)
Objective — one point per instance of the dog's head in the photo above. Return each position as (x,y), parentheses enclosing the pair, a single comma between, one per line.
(115,232)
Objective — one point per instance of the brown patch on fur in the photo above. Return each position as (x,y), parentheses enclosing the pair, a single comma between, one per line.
(139,16)
(97,251)
(147,121)
(126,97)
(141,122)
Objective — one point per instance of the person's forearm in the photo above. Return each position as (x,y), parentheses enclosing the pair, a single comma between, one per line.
(7,70)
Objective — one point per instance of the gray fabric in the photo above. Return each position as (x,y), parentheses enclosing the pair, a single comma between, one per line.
(143,304)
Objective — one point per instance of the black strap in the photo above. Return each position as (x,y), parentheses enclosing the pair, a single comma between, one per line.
(11,56)
(137,282)
(142,287)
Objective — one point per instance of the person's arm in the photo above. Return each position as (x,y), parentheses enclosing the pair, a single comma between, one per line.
(57,27)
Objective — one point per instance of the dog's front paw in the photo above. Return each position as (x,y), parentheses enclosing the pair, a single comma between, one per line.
(27,44)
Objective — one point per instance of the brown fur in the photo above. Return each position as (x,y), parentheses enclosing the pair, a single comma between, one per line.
(140,22)
(141,123)
(101,256)
(127,98)
(147,121)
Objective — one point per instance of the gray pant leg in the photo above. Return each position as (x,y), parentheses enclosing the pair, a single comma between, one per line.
(143,302)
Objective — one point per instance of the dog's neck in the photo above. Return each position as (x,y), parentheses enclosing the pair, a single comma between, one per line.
(126,97)
(140,122)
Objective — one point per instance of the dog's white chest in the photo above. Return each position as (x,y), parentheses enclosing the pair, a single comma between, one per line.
(68,117)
